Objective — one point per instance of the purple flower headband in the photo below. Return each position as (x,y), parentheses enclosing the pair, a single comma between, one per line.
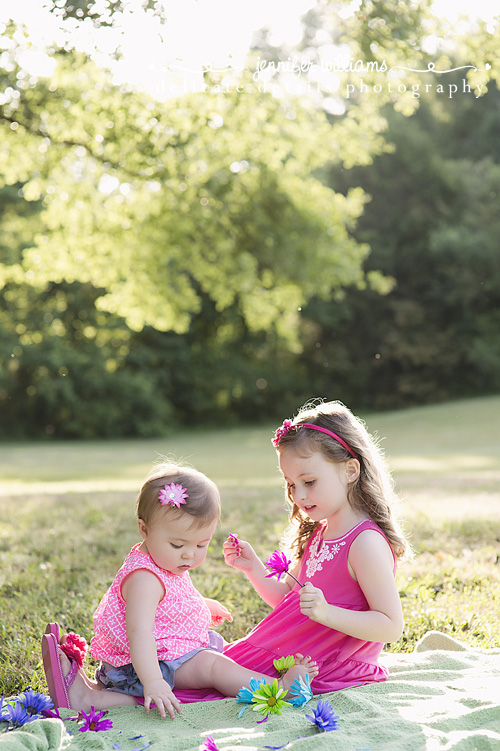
(173,495)
(288,427)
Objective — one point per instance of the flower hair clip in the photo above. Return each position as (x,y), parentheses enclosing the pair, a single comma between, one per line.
(173,495)
(282,431)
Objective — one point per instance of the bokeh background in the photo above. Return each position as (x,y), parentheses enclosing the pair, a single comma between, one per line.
(211,212)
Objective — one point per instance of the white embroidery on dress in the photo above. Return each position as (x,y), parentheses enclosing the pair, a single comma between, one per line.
(316,560)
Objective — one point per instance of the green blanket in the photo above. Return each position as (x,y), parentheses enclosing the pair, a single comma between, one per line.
(442,696)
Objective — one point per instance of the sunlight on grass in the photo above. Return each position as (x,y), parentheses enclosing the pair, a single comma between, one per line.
(68,522)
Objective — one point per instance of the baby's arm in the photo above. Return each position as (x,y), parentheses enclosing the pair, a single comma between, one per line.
(243,557)
(142,592)
(218,611)
(371,560)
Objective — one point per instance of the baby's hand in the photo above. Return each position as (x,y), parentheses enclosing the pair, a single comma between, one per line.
(238,553)
(218,612)
(159,692)
(312,602)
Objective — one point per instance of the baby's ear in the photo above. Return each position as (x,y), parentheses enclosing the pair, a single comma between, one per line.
(352,470)
(142,528)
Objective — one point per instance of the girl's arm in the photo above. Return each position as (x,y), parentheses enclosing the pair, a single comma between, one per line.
(142,591)
(371,561)
(244,558)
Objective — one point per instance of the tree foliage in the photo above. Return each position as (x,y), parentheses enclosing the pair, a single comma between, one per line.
(221,256)
(157,203)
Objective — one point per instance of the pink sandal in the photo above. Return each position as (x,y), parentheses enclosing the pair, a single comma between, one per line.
(75,648)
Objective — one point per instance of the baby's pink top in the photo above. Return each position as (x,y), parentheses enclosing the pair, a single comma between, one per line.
(181,622)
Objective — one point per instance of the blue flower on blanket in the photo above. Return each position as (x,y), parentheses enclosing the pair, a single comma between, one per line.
(26,707)
(324,717)
(16,715)
(34,702)
(245,694)
(300,691)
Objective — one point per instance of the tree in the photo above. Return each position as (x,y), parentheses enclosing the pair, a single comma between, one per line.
(432,225)
(154,201)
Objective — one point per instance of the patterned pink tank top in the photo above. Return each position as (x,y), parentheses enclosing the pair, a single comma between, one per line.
(181,623)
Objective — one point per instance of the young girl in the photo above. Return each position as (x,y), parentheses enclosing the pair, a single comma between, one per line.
(344,542)
(152,626)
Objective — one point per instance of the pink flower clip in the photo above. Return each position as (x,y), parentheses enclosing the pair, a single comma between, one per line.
(285,428)
(173,495)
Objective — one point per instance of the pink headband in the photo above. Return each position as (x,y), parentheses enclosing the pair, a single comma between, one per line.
(287,427)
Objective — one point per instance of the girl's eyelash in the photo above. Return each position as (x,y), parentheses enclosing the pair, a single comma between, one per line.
(177,547)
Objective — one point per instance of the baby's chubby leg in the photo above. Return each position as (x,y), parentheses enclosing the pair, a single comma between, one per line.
(209,669)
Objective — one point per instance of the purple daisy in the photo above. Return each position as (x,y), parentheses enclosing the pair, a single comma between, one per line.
(209,744)
(278,564)
(94,722)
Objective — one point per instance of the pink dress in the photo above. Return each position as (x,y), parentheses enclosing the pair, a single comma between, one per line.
(343,661)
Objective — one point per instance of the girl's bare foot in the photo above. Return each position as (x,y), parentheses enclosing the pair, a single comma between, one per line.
(303,666)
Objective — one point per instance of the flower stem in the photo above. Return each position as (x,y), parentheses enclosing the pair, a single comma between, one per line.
(296,580)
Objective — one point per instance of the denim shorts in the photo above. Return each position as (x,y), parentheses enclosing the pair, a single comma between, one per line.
(125,680)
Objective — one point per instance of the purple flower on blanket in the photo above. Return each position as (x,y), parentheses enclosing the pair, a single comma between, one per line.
(209,744)
(324,717)
(34,702)
(278,564)
(94,722)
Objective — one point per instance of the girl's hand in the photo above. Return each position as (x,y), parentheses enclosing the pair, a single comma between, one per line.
(159,692)
(239,554)
(313,603)
(218,612)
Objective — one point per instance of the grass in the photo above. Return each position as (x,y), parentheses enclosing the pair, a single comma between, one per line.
(68,521)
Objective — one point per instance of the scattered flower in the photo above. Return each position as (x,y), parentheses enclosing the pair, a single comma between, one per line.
(267,698)
(301,691)
(245,695)
(324,717)
(173,495)
(209,744)
(16,715)
(2,718)
(278,564)
(51,714)
(265,719)
(94,722)
(283,664)
(34,702)
(282,431)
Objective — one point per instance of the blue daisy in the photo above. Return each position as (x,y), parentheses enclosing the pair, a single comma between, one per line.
(34,702)
(324,717)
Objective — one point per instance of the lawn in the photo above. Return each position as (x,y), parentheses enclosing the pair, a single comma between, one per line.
(68,521)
